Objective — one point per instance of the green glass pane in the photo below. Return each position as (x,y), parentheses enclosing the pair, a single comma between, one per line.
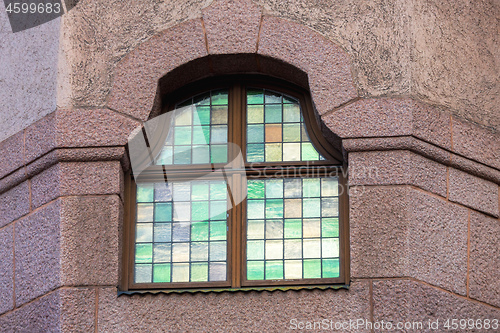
(293,188)
(274,208)
(217,251)
(274,270)
(291,113)
(218,154)
(201,135)
(161,273)
(162,252)
(291,151)
(309,153)
(142,273)
(272,113)
(145,193)
(272,97)
(219,134)
(203,99)
(293,249)
(199,231)
(165,156)
(293,269)
(311,228)
(218,191)
(273,152)
(255,209)
(218,230)
(182,135)
(255,152)
(291,132)
(144,232)
(255,133)
(201,154)
(274,229)
(163,212)
(293,208)
(162,232)
(331,268)
(293,228)
(255,229)
(200,191)
(274,188)
(199,211)
(182,155)
(218,210)
(144,253)
(217,271)
(180,252)
(184,117)
(255,96)
(199,272)
(329,207)
(180,272)
(330,227)
(312,268)
(311,247)
(255,189)
(311,207)
(329,247)
(329,187)
(255,250)
(219,97)
(311,187)
(199,251)
(163,192)
(219,115)
(145,213)
(202,115)
(255,270)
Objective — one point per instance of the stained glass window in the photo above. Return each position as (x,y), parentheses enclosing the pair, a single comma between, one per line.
(196,214)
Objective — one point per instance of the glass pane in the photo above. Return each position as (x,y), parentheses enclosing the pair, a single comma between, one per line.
(161,273)
(293,269)
(331,268)
(275,119)
(255,270)
(312,268)
(143,273)
(274,269)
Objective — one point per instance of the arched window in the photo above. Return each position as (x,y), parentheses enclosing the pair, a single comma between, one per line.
(242,190)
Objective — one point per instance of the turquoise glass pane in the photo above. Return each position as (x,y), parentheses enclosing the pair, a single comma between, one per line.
(182,155)
(202,115)
(255,133)
(161,273)
(199,211)
(145,193)
(218,191)
(144,253)
(272,113)
(309,153)
(274,270)
(330,227)
(166,156)
(143,273)
(256,189)
(272,97)
(255,249)
(201,135)
(312,268)
(163,212)
(255,152)
(255,96)
(200,191)
(218,153)
(199,272)
(311,207)
(293,228)
(218,230)
(218,210)
(199,231)
(255,270)
(255,209)
(219,97)
(331,268)
(201,154)
(182,135)
(274,208)
(311,187)
(274,188)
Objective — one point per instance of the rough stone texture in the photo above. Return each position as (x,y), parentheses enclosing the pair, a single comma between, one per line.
(77,178)
(400,231)
(77,309)
(419,59)
(327,65)
(136,76)
(397,167)
(28,74)
(232,26)
(229,312)
(11,151)
(37,255)
(479,143)
(6,269)
(13,179)
(41,137)
(437,242)
(89,240)
(431,124)
(14,203)
(473,192)
(411,301)
(484,284)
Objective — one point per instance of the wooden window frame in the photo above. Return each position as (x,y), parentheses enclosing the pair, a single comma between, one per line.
(236,236)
